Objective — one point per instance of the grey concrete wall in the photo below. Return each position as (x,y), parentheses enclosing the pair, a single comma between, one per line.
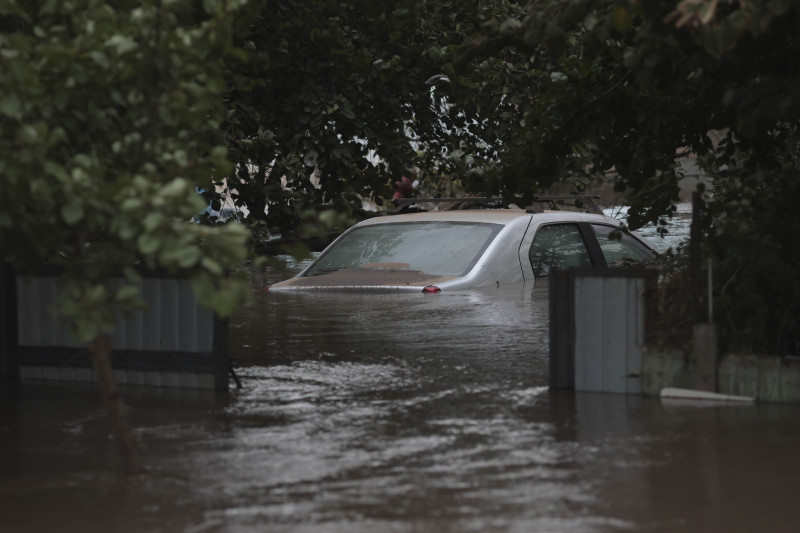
(765,378)
(663,367)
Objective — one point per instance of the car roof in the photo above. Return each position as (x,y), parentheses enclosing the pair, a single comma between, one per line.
(490,216)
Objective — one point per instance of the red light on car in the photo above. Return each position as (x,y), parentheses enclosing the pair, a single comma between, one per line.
(267,287)
(431,288)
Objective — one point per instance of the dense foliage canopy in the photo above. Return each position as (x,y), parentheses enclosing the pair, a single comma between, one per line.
(332,102)
(621,90)
(110,116)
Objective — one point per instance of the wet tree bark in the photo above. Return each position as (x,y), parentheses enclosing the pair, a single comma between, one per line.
(126,441)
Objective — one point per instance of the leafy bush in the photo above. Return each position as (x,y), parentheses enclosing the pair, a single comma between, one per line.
(752,237)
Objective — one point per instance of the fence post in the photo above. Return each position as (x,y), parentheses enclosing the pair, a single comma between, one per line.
(597,330)
(8,321)
(562,330)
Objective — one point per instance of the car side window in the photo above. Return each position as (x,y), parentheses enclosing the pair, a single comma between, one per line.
(619,248)
(558,246)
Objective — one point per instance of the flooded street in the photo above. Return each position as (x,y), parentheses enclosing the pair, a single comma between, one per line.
(412,413)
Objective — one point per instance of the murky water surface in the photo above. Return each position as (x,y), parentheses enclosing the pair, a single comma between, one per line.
(395,413)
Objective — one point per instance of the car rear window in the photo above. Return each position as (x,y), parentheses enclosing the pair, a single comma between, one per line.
(436,248)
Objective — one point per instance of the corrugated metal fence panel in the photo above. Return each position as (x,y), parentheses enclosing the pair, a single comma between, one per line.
(174,342)
(608,332)
(173,321)
(37,325)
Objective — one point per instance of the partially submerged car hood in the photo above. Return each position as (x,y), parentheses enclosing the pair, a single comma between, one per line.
(352,278)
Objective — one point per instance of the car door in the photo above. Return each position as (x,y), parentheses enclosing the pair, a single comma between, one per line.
(565,244)
(561,245)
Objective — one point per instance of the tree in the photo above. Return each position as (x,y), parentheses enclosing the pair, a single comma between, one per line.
(625,88)
(333,101)
(110,117)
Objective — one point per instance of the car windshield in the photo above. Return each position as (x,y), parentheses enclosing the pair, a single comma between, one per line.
(436,248)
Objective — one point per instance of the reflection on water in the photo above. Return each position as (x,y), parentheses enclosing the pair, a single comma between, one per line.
(397,413)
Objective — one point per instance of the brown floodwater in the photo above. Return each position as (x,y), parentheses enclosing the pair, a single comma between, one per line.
(409,413)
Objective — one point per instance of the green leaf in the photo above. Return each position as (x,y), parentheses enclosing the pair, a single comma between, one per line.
(100,58)
(212,266)
(148,243)
(128,294)
(10,105)
(122,43)
(227,299)
(177,187)
(72,212)
(190,256)
(153,221)
(56,170)
(131,205)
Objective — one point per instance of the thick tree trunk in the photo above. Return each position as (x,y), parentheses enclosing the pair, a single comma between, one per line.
(127,443)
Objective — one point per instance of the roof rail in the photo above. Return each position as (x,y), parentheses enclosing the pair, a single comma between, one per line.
(474,199)
(579,201)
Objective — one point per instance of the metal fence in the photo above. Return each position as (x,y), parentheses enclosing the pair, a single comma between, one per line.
(173,343)
(597,329)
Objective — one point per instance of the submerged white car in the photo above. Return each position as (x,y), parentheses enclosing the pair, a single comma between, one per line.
(466,249)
